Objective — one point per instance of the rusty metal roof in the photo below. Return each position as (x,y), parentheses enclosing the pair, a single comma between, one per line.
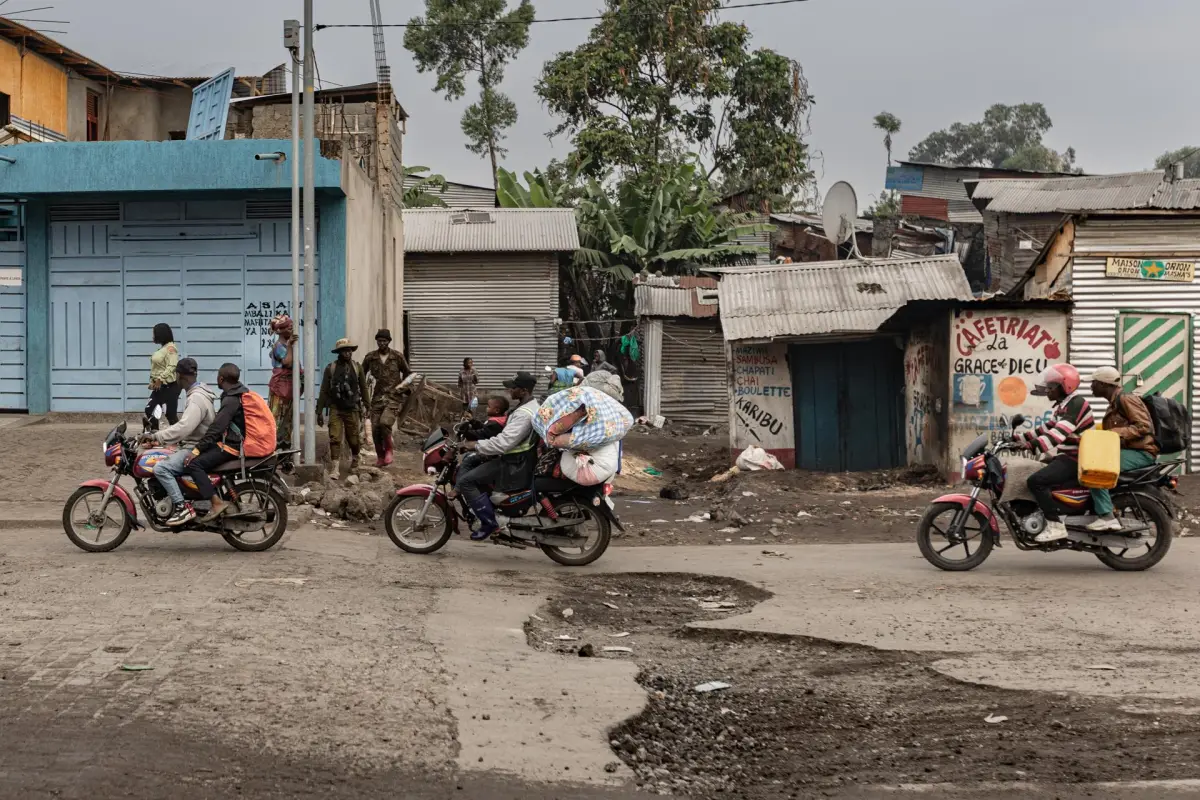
(1121,192)
(674,296)
(495,230)
(768,302)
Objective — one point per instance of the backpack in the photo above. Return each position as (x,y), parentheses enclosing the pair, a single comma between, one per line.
(258,440)
(345,388)
(1172,423)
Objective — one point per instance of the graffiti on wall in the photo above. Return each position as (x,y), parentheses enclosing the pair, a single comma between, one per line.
(997,359)
(762,398)
(920,405)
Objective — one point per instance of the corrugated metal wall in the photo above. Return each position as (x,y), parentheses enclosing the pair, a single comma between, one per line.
(460,195)
(695,388)
(497,308)
(1099,299)
(12,330)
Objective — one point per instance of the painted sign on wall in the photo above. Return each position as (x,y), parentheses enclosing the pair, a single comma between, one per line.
(996,360)
(761,412)
(1151,270)
(922,363)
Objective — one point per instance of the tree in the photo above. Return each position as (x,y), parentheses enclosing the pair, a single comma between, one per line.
(1008,137)
(457,38)
(888,205)
(890,125)
(557,187)
(419,188)
(658,80)
(1189,157)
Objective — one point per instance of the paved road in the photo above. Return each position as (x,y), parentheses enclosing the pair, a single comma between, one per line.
(338,666)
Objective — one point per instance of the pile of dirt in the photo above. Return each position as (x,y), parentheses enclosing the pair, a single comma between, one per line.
(767,717)
(358,497)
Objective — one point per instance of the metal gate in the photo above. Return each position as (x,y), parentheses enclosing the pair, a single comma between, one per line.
(849,405)
(216,277)
(12,330)
(1155,354)
(694,385)
(499,346)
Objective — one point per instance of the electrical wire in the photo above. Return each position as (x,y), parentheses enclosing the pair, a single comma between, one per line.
(591,18)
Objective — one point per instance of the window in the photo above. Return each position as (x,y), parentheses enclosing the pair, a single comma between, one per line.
(177,136)
(5,109)
(93,117)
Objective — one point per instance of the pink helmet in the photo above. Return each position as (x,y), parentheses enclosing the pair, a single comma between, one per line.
(1064,375)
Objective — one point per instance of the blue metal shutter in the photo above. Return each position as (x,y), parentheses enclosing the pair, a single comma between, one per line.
(12,331)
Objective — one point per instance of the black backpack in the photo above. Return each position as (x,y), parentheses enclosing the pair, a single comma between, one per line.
(1172,423)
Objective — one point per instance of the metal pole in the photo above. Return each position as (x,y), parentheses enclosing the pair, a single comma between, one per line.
(296,362)
(310,283)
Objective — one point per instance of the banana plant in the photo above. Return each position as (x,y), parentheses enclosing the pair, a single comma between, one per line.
(419,188)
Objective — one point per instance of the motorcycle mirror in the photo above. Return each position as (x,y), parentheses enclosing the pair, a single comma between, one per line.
(124,426)
(1018,421)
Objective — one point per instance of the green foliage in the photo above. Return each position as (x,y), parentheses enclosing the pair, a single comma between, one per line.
(419,188)
(557,187)
(658,80)
(457,38)
(1007,135)
(888,205)
(890,125)
(1190,156)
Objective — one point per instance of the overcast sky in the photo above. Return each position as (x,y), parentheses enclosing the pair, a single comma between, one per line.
(1116,76)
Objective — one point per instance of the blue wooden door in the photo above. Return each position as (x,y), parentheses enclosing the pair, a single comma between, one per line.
(849,405)
(87,320)
(12,330)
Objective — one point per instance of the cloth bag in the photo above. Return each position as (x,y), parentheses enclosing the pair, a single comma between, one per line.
(591,468)
(605,422)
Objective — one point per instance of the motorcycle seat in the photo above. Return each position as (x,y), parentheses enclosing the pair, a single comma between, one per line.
(251,464)
(1137,475)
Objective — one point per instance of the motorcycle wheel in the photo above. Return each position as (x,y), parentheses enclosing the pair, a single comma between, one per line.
(273,507)
(978,534)
(1155,552)
(82,516)
(595,543)
(398,521)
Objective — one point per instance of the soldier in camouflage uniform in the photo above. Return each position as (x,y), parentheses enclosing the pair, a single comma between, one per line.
(388,368)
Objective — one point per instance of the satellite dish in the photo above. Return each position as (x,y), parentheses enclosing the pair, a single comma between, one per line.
(840,212)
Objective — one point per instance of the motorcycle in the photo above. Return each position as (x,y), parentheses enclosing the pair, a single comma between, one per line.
(256,521)
(962,521)
(572,524)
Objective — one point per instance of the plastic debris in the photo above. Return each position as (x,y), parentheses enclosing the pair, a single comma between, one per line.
(244,582)
(566,637)
(136,667)
(802,514)
(613,606)
(749,538)
(995,719)
(774,553)
(611,649)
(620,635)
(536,618)
(657,473)
(568,613)
(749,494)
(1106,667)
(712,686)
(728,530)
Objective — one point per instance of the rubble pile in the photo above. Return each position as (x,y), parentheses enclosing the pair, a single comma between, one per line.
(359,497)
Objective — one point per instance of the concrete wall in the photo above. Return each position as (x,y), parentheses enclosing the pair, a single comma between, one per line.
(37,85)
(148,114)
(925,393)
(761,404)
(374,261)
(77,89)
(996,357)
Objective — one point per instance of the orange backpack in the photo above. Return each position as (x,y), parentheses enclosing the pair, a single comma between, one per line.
(258,440)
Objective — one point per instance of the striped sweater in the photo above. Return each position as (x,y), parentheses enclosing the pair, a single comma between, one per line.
(1071,418)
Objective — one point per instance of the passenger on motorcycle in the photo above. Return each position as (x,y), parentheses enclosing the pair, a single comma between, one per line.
(513,469)
(1072,416)
(219,443)
(198,415)
(1128,417)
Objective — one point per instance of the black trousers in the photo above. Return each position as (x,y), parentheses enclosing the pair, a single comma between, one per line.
(200,467)
(474,482)
(166,395)
(1062,472)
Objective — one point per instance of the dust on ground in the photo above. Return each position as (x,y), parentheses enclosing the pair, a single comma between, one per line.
(801,717)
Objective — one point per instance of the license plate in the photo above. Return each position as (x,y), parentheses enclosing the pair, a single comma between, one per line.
(610,503)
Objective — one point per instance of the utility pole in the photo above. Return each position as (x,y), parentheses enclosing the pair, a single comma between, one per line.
(291,40)
(310,277)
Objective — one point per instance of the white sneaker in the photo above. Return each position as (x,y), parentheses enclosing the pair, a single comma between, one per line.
(335,471)
(1054,531)
(1102,524)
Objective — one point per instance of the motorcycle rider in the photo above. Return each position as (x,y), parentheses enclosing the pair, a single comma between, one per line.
(514,468)
(1072,416)
(219,443)
(198,415)
(1128,417)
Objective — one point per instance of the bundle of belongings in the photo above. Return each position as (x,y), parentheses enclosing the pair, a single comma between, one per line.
(582,428)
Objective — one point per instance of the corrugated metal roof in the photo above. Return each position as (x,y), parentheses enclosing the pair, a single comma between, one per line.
(674,296)
(511,230)
(814,221)
(1130,190)
(831,296)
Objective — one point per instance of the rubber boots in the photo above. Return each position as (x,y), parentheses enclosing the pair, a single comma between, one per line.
(482,506)
(380,449)
(387,448)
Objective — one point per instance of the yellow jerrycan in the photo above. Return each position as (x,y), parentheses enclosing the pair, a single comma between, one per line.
(1099,458)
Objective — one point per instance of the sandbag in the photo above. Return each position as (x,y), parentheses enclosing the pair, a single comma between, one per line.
(591,468)
(606,420)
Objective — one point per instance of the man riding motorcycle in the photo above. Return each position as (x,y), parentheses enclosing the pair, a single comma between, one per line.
(512,468)
(186,433)
(1072,416)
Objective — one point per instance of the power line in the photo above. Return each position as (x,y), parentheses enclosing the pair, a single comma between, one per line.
(592,18)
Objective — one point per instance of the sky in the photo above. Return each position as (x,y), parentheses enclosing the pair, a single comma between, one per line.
(1116,76)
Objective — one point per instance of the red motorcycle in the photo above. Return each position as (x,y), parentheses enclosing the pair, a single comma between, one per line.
(100,515)
(965,523)
(572,524)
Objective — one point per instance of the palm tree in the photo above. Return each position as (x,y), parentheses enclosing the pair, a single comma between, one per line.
(890,125)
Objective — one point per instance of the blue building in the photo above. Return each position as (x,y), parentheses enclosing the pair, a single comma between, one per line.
(119,236)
